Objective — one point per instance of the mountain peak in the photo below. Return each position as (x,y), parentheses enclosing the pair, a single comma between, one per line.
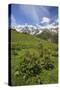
(35,29)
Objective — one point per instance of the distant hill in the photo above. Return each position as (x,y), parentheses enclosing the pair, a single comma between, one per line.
(49,36)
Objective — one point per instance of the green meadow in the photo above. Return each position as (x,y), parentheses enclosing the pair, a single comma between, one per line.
(33,60)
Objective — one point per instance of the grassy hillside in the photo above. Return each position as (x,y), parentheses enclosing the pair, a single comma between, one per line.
(33,60)
(49,36)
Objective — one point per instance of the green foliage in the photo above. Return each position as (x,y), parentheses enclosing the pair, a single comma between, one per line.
(30,66)
(33,60)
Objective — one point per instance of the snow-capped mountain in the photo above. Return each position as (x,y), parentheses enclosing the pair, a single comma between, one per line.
(31,29)
(35,29)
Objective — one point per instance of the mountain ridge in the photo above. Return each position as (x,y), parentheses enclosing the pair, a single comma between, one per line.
(34,29)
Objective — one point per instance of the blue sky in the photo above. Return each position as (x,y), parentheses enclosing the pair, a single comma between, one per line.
(33,14)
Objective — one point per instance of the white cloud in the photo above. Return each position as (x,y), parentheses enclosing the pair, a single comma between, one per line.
(45,20)
(13,21)
(46,23)
(56,20)
(48,26)
(55,23)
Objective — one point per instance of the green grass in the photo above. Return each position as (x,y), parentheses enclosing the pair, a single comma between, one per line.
(49,36)
(27,52)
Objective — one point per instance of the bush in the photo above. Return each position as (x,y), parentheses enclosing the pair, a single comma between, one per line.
(30,67)
(36,69)
(48,65)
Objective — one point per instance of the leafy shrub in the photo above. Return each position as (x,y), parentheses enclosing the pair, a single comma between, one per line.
(30,66)
(48,65)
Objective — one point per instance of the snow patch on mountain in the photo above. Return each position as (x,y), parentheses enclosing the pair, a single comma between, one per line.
(35,29)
